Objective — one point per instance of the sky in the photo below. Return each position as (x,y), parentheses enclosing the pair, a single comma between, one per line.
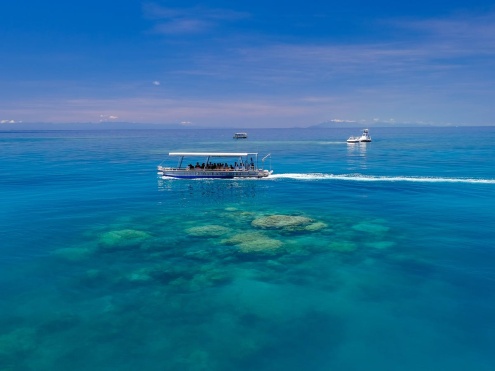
(248,64)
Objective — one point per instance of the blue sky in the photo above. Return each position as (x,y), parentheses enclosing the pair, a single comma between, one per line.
(248,64)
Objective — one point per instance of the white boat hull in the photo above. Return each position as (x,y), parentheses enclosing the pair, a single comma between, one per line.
(364,138)
(165,172)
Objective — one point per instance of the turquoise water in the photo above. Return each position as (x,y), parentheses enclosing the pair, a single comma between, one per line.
(375,256)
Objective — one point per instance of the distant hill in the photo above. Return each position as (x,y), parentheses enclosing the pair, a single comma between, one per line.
(355,124)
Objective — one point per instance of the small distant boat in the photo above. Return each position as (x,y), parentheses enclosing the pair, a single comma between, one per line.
(240,135)
(216,165)
(353,140)
(365,137)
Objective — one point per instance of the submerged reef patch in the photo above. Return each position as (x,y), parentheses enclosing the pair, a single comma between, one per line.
(316,226)
(380,244)
(16,344)
(253,242)
(123,239)
(287,222)
(207,231)
(343,246)
(370,227)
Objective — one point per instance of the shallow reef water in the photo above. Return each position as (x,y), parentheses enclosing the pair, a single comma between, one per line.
(118,270)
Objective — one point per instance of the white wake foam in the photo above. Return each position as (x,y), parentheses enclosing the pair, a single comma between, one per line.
(371,178)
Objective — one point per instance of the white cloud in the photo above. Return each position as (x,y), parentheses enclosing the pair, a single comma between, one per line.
(156,83)
(7,121)
(339,120)
(105,118)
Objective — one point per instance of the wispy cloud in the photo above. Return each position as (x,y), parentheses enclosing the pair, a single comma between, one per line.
(437,70)
(188,20)
(205,111)
(460,34)
(453,49)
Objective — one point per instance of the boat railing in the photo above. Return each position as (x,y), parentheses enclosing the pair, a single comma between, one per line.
(244,166)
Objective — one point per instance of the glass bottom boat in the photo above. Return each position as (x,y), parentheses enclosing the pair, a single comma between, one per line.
(215,165)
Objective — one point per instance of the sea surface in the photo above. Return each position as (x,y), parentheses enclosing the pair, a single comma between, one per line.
(377,256)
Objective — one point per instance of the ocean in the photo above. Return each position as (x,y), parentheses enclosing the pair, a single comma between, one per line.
(371,256)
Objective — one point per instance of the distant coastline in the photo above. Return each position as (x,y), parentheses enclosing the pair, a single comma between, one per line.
(32,126)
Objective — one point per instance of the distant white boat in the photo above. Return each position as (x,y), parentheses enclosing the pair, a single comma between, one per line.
(216,165)
(353,140)
(365,137)
(240,136)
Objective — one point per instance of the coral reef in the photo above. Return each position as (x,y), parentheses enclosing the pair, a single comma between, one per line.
(287,222)
(370,227)
(207,231)
(342,246)
(123,239)
(253,242)
(315,227)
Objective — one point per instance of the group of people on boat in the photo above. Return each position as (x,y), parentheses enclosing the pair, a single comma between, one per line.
(221,166)
(244,167)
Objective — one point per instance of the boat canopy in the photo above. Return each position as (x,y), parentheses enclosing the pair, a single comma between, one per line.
(213,154)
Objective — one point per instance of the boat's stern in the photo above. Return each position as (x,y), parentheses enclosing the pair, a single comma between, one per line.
(264,173)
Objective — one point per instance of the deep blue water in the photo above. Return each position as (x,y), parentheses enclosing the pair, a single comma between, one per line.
(377,256)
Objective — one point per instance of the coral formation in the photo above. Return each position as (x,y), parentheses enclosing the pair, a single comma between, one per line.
(314,227)
(123,239)
(343,246)
(207,231)
(253,242)
(370,227)
(288,222)
(140,275)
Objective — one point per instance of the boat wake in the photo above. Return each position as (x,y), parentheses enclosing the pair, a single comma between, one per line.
(371,178)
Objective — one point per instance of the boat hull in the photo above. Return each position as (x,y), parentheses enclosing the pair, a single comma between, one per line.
(364,138)
(211,174)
